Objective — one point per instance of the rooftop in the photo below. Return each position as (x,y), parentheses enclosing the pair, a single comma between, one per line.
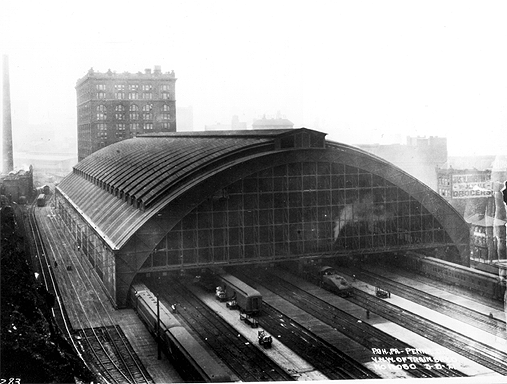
(147,74)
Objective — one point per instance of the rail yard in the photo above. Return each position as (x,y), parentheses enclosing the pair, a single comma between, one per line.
(388,323)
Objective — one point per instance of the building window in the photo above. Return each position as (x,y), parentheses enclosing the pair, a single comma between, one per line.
(119,95)
(134,116)
(134,108)
(147,115)
(147,87)
(134,127)
(165,116)
(119,116)
(101,87)
(166,125)
(102,130)
(133,96)
(133,87)
(101,112)
(166,95)
(120,126)
(166,108)
(165,87)
(148,126)
(119,108)
(147,96)
(119,87)
(101,95)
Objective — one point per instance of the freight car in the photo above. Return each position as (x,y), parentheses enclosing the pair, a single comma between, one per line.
(191,359)
(473,279)
(247,299)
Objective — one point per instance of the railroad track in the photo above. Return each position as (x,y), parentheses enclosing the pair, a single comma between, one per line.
(331,362)
(113,338)
(453,289)
(363,333)
(242,357)
(446,307)
(106,347)
(472,349)
(43,266)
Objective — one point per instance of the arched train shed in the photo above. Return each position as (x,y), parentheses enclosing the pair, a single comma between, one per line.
(175,201)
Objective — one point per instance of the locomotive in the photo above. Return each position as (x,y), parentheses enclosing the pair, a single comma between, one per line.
(44,190)
(192,360)
(331,280)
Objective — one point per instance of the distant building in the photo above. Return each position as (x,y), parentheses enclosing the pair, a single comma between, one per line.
(112,107)
(47,167)
(278,123)
(17,183)
(420,157)
(234,126)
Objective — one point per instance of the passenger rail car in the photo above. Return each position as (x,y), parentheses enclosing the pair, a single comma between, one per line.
(191,359)
(475,280)
(249,300)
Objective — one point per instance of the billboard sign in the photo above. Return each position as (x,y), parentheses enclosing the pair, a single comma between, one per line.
(471,186)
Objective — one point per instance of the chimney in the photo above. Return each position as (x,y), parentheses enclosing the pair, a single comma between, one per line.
(158,70)
(147,71)
(7,158)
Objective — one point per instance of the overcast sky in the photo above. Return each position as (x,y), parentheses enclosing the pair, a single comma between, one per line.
(361,71)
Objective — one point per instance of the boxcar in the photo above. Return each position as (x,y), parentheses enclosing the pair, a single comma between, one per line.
(248,299)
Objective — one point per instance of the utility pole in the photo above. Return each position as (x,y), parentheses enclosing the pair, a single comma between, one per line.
(159,355)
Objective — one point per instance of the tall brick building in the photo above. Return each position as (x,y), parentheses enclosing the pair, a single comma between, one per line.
(112,107)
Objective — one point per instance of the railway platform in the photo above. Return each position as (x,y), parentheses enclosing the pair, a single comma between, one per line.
(86,303)
(295,365)
(461,363)
(460,296)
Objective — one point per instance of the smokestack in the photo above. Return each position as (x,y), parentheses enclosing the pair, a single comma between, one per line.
(7,159)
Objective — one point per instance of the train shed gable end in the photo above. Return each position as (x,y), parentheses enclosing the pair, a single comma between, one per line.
(301,138)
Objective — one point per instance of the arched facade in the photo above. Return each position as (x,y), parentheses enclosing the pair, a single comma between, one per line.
(292,199)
